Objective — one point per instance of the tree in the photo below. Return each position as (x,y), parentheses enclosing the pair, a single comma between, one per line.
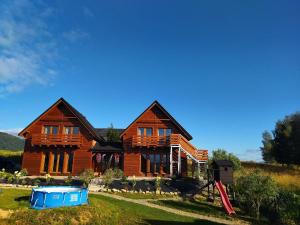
(254,190)
(112,134)
(267,148)
(221,154)
(284,146)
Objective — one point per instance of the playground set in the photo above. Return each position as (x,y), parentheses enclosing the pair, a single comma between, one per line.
(220,174)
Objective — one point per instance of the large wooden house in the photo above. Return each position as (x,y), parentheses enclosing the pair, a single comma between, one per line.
(61,141)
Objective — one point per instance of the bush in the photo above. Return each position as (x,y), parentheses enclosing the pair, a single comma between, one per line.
(118,173)
(86,176)
(133,182)
(255,190)
(158,183)
(286,209)
(10,179)
(69,180)
(23,172)
(108,177)
(36,182)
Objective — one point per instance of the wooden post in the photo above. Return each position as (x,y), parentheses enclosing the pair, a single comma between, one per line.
(161,170)
(148,164)
(179,161)
(198,170)
(154,163)
(66,159)
(193,169)
(171,161)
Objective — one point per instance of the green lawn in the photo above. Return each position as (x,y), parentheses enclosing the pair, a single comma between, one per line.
(102,210)
(143,196)
(203,208)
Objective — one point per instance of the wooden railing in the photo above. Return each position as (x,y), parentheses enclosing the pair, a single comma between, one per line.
(165,141)
(56,139)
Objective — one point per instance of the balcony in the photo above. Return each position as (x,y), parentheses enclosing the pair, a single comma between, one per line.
(167,141)
(56,139)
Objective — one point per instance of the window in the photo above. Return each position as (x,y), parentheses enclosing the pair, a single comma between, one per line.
(61,162)
(58,162)
(45,162)
(71,130)
(149,132)
(164,132)
(70,161)
(55,158)
(157,162)
(75,130)
(142,131)
(161,132)
(168,132)
(50,130)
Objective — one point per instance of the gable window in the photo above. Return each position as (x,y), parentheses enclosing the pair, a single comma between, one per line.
(142,131)
(71,130)
(149,132)
(161,131)
(50,130)
(164,132)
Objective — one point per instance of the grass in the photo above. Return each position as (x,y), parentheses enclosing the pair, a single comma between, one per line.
(203,208)
(143,196)
(102,210)
(286,177)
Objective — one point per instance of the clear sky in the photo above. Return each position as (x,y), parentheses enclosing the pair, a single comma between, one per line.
(226,70)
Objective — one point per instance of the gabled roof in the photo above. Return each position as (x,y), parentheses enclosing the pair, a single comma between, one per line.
(80,117)
(223,162)
(156,103)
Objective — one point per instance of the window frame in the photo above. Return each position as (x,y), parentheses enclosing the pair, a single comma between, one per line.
(71,130)
(51,129)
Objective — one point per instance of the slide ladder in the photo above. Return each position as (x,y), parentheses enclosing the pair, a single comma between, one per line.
(224,198)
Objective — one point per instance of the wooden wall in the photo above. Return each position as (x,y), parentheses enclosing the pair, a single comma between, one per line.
(57,116)
(154,118)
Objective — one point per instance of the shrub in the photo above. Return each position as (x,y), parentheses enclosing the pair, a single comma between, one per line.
(158,183)
(108,177)
(133,182)
(17,176)
(36,182)
(86,176)
(10,179)
(68,181)
(23,182)
(48,178)
(254,190)
(287,208)
(118,173)
(23,172)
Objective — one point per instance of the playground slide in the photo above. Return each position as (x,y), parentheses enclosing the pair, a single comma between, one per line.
(224,197)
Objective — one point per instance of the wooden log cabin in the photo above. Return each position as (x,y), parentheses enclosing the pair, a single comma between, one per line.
(61,141)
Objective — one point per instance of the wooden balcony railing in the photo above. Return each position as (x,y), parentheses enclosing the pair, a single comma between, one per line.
(56,139)
(165,141)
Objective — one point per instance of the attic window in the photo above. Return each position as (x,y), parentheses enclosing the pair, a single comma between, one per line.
(50,130)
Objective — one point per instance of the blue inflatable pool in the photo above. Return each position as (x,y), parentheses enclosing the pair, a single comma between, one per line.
(58,196)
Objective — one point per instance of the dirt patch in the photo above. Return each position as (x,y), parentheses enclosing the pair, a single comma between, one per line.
(5,213)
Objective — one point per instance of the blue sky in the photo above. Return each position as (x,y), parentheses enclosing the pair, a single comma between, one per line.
(226,70)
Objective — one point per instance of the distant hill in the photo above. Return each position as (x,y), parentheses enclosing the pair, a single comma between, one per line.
(10,142)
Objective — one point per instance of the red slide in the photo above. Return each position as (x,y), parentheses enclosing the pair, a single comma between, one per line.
(224,197)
